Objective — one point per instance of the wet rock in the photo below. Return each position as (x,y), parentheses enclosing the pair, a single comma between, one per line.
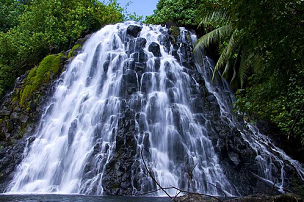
(234,158)
(140,44)
(5,112)
(14,115)
(118,173)
(140,56)
(156,64)
(133,30)
(155,49)
(81,41)
(10,126)
(72,132)
(10,157)
(23,118)
(165,41)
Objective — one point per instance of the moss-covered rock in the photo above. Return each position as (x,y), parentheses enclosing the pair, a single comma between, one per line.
(174,31)
(73,52)
(38,76)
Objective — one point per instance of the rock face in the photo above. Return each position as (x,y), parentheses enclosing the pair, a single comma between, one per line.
(117,176)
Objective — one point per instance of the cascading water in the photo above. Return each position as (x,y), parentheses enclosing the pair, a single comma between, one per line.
(132,87)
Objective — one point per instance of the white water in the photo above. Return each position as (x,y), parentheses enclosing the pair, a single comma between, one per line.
(81,122)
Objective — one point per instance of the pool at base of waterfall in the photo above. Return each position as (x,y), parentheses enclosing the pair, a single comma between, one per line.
(77,198)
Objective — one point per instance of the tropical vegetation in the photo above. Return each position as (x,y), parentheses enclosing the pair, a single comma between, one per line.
(33,29)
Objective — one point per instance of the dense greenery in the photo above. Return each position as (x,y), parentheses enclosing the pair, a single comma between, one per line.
(180,12)
(261,49)
(32,29)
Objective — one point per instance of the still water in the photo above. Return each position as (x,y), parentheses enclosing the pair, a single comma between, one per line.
(78,198)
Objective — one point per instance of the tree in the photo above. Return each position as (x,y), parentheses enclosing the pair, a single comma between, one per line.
(181,12)
(10,10)
(48,26)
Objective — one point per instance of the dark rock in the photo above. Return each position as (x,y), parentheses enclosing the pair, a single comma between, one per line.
(14,115)
(81,41)
(10,157)
(156,64)
(10,126)
(140,44)
(4,112)
(140,57)
(23,118)
(72,132)
(234,158)
(165,41)
(118,173)
(133,30)
(155,49)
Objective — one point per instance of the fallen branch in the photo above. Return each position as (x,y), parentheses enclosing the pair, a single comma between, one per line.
(152,176)
(218,189)
(172,187)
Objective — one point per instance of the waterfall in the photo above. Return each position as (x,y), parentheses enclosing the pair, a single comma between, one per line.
(130,98)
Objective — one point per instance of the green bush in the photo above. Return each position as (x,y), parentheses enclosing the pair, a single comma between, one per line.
(7,76)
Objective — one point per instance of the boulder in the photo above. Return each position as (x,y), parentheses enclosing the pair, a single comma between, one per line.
(155,49)
(133,30)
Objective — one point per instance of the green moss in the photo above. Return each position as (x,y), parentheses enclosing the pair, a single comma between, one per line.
(26,93)
(115,186)
(73,52)
(174,31)
(32,73)
(38,76)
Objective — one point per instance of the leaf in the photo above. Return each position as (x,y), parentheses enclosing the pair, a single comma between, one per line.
(214,36)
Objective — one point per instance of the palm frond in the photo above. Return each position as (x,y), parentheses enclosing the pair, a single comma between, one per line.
(214,36)
(250,63)
(216,18)
(227,53)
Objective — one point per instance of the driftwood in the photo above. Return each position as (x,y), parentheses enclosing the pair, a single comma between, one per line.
(173,187)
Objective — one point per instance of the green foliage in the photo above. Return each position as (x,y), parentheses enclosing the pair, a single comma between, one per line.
(180,12)
(133,17)
(32,29)
(72,52)
(277,100)
(6,78)
(174,31)
(265,52)
(38,76)
(9,13)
